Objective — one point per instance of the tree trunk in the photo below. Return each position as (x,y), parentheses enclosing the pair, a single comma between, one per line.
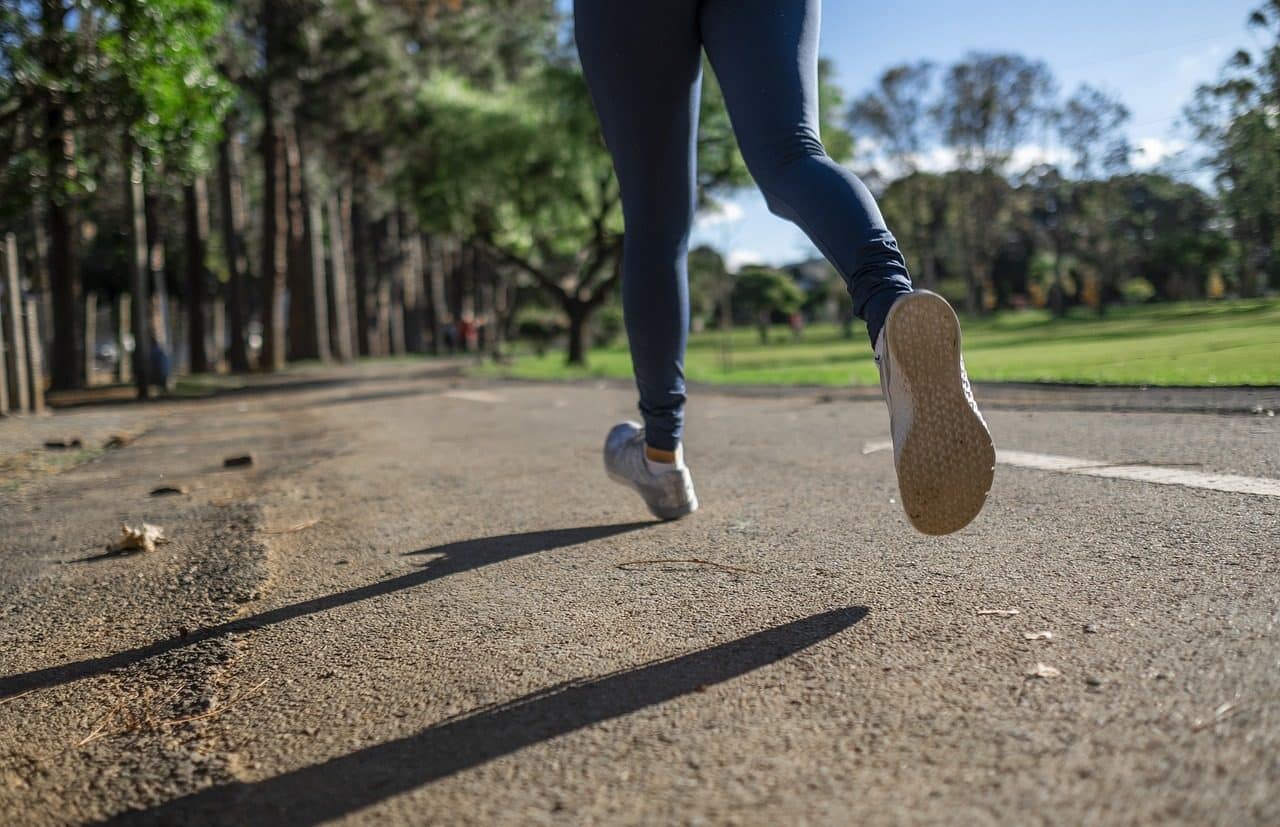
(218,324)
(398,264)
(579,315)
(384,318)
(920,230)
(120,321)
(90,335)
(159,311)
(134,198)
(64,278)
(196,201)
(41,273)
(360,272)
(35,357)
(319,284)
(302,298)
(1058,299)
(14,330)
(435,292)
(275,229)
(232,198)
(4,382)
(343,335)
(414,289)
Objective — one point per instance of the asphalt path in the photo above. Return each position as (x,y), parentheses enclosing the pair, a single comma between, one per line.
(425,603)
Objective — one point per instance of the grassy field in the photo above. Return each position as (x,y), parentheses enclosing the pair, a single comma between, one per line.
(1211,343)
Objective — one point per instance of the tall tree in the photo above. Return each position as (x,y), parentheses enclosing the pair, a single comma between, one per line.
(195,198)
(1236,120)
(989,107)
(55,52)
(895,116)
(1091,127)
(231,199)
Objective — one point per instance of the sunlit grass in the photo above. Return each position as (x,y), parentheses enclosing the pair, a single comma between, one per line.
(1211,343)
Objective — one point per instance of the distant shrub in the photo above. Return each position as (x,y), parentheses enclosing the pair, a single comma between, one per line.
(608,324)
(1137,291)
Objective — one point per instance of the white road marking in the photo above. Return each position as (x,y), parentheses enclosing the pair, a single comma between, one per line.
(1156,474)
(877,445)
(474,396)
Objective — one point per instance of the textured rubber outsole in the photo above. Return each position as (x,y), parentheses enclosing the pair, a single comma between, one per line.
(947,460)
(660,513)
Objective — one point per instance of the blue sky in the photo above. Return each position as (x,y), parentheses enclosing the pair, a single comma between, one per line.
(1151,53)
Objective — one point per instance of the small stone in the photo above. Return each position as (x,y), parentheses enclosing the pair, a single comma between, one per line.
(1093,680)
(1090,628)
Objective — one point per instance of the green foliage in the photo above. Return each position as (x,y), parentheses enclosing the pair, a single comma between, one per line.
(170,95)
(521,166)
(764,291)
(1238,119)
(709,282)
(896,115)
(1198,343)
(608,324)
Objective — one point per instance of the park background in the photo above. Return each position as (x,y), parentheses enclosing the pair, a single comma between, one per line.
(220,188)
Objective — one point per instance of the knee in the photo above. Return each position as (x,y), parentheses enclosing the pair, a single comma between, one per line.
(773,162)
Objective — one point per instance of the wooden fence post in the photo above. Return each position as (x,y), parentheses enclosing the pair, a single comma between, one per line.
(120,320)
(4,373)
(35,356)
(90,337)
(14,332)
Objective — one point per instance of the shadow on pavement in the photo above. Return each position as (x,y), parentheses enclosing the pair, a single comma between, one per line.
(343,785)
(454,558)
(254,385)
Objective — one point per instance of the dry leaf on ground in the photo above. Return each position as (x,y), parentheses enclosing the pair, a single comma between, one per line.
(1042,670)
(144,538)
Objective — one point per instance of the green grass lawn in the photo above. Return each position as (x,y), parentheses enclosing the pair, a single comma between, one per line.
(1208,343)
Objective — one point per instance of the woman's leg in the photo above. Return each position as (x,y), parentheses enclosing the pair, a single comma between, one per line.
(765,54)
(643,63)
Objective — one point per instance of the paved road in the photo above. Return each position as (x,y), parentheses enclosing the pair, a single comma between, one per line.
(424,603)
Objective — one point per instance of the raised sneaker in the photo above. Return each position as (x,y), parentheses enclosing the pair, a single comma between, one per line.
(942,448)
(668,493)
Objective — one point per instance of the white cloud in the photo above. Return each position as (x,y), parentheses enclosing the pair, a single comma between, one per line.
(738,256)
(940,159)
(1030,155)
(1151,151)
(725,212)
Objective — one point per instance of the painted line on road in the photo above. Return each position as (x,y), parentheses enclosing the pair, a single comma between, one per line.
(1155,474)
(474,396)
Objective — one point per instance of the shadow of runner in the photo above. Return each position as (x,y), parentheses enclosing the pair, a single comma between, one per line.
(454,558)
(351,782)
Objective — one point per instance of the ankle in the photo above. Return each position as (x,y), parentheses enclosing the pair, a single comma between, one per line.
(658,455)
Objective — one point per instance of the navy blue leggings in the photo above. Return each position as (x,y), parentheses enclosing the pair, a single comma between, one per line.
(643,63)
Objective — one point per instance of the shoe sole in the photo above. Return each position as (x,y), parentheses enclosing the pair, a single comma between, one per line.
(688,509)
(947,461)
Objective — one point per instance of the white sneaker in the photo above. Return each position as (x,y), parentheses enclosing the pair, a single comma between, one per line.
(669,494)
(941,446)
